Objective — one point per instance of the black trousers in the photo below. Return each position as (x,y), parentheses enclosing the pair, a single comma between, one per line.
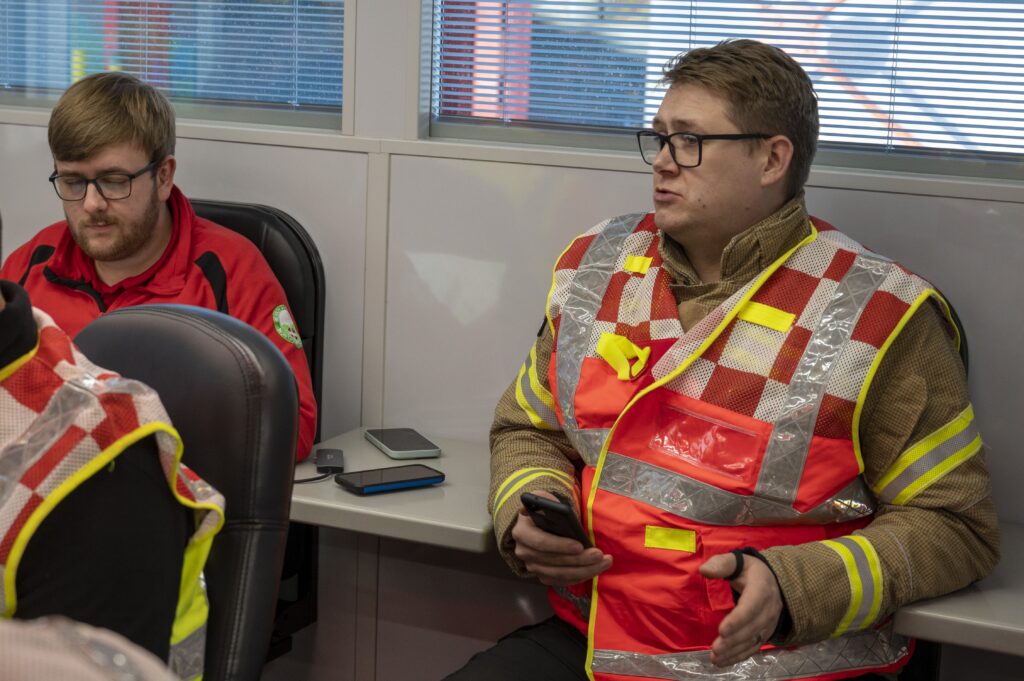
(549,651)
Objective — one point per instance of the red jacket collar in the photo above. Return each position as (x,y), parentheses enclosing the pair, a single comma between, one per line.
(165,277)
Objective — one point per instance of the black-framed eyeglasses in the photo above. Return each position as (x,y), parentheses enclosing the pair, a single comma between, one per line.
(112,186)
(686,148)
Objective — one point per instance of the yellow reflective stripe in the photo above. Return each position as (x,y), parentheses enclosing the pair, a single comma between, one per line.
(515,482)
(766,315)
(670,538)
(59,493)
(870,376)
(876,578)
(542,393)
(20,362)
(618,350)
(637,264)
(856,589)
(524,403)
(930,459)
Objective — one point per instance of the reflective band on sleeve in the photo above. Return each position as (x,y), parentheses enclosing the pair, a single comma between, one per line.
(694,500)
(670,538)
(865,575)
(186,656)
(766,315)
(579,313)
(515,482)
(533,397)
(790,440)
(637,264)
(930,459)
(867,650)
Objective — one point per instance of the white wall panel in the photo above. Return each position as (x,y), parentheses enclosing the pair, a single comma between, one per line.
(972,251)
(27,201)
(470,250)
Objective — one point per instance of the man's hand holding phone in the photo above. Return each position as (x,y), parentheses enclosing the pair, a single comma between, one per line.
(555,560)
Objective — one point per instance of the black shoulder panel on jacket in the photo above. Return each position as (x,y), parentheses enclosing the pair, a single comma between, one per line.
(41,254)
(214,272)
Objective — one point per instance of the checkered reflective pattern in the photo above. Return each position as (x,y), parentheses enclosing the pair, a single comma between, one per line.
(748,367)
(58,412)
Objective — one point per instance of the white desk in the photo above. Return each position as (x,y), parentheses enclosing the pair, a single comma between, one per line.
(988,615)
(452,514)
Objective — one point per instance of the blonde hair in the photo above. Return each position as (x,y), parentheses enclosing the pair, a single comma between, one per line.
(111,108)
(767,92)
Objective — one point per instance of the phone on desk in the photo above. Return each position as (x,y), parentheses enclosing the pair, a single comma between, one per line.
(556,517)
(402,443)
(379,480)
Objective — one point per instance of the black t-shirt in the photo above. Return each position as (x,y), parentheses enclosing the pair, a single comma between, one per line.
(110,553)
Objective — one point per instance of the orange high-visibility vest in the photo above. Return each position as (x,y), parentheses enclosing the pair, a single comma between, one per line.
(64,419)
(740,432)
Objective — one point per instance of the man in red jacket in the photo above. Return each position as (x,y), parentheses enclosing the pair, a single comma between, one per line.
(131,237)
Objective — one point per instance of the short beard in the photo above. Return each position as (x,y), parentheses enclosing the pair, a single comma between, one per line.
(132,236)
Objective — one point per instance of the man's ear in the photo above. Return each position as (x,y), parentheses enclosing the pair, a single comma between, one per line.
(165,177)
(776,161)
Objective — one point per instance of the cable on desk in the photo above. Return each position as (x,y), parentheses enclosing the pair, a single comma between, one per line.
(317,478)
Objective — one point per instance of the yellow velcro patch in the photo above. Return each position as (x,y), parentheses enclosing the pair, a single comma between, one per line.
(766,315)
(670,538)
(637,264)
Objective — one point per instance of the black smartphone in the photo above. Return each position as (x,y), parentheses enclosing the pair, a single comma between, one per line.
(556,517)
(379,480)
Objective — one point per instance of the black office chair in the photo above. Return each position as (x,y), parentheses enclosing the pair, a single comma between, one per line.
(232,396)
(295,261)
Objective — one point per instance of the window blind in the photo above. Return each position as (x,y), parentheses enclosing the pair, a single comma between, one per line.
(284,54)
(895,75)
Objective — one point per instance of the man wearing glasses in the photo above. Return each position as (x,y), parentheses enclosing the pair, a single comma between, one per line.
(763,426)
(131,236)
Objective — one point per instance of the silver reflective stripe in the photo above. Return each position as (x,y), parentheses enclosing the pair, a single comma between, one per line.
(928,462)
(542,410)
(790,440)
(186,658)
(579,313)
(64,407)
(867,582)
(694,500)
(861,651)
(591,441)
(582,603)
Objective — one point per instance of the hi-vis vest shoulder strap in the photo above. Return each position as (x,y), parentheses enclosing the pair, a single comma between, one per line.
(63,420)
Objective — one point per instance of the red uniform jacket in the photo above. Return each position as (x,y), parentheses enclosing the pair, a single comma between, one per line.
(205,264)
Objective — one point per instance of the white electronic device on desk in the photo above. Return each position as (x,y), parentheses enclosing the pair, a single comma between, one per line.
(402,443)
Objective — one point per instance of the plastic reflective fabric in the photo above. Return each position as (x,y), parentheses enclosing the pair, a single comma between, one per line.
(186,657)
(543,411)
(791,435)
(112,661)
(863,650)
(582,603)
(578,315)
(694,500)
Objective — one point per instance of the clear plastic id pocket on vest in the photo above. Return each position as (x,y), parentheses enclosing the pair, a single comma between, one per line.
(709,443)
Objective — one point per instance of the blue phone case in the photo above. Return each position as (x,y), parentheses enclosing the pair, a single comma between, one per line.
(408,484)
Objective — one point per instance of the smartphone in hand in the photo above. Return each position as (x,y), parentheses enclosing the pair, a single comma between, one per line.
(556,517)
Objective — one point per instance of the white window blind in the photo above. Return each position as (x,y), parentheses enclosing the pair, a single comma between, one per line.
(270,54)
(922,76)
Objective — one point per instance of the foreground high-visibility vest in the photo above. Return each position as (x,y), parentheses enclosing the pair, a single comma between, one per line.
(63,420)
(739,432)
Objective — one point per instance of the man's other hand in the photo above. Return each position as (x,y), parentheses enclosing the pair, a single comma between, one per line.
(752,621)
(555,560)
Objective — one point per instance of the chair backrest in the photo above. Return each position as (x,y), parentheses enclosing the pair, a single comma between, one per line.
(294,260)
(232,396)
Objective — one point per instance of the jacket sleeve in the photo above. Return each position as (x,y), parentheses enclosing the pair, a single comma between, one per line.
(529,450)
(258,300)
(935,527)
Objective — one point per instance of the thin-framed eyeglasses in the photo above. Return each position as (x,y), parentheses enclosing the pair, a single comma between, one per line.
(111,186)
(686,148)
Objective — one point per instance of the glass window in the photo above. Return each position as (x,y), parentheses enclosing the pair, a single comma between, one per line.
(267,60)
(918,78)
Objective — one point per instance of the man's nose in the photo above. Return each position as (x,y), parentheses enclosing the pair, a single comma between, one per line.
(664,164)
(93,201)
